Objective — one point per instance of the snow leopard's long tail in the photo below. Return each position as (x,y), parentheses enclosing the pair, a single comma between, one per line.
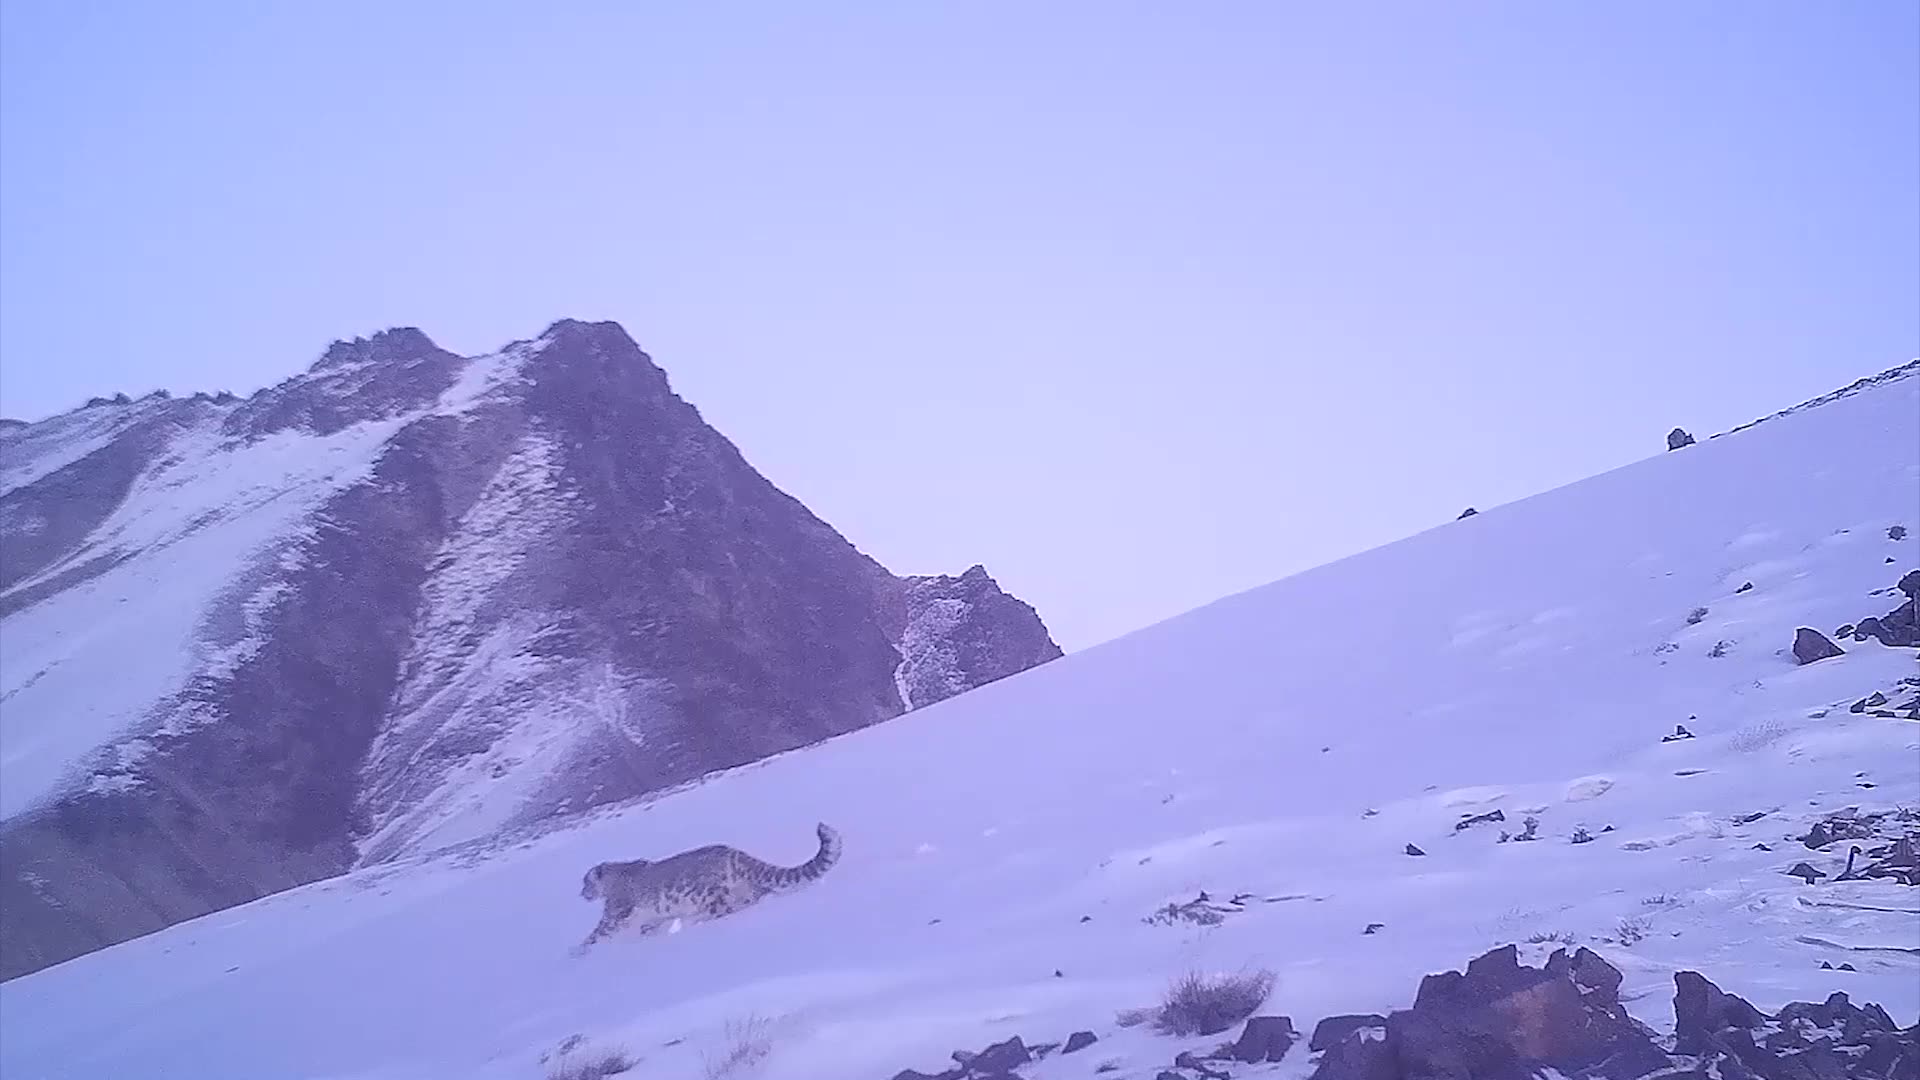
(788,877)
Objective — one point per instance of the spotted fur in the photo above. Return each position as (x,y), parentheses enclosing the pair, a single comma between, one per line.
(705,883)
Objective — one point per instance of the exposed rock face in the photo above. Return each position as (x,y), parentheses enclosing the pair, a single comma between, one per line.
(1728,1037)
(959,633)
(1678,438)
(445,599)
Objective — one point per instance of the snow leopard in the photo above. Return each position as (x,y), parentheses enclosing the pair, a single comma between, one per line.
(693,886)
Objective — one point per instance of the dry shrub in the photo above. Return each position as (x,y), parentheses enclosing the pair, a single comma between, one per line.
(589,1065)
(1199,1004)
(746,1043)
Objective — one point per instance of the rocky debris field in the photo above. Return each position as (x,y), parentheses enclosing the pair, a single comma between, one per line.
(1503,1020)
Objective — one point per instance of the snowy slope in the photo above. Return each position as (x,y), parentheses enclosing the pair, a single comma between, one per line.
(405,601)
(1002,848)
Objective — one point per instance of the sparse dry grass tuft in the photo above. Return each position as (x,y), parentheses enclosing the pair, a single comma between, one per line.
(1209,1004)
(1757,736)
(746,1043)
(590,1065)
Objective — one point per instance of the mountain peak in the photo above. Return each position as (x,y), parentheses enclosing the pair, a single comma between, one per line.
(605,334)
(449,598)
(396,343)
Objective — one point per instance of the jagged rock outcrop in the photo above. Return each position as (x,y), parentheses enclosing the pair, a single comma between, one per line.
(1678,438)
(408,600)
(956,633)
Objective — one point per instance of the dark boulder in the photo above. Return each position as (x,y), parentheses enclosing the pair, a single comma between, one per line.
(1471,820)
(1079,1041)
(1678,438)
(1899,628)
(1265,1038)
(1000,1057)
(1592,975)
(1701,1009)
(1360,1056)
(1187,1059)
(1335,1029)
(1810,645)
(1500,1018)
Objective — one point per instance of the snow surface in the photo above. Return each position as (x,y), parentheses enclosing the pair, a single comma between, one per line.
(1004,847)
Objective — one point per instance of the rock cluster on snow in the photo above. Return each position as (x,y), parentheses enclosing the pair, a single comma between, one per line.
(1879,845)
(998,1061)
(1899,628)
(1678,438)
(1720,1034)
(1503,1020)
(1202,910)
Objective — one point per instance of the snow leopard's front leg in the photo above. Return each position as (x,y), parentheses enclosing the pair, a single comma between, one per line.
(618,911)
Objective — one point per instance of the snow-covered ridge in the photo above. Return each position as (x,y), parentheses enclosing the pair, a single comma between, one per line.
(1006,849)
(1908,370)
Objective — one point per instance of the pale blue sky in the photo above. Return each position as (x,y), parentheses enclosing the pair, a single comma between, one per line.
(1138,304)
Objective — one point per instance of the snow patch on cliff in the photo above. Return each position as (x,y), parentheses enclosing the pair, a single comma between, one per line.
(102,654)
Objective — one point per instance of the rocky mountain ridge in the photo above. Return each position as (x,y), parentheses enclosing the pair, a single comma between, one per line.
(405,600)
